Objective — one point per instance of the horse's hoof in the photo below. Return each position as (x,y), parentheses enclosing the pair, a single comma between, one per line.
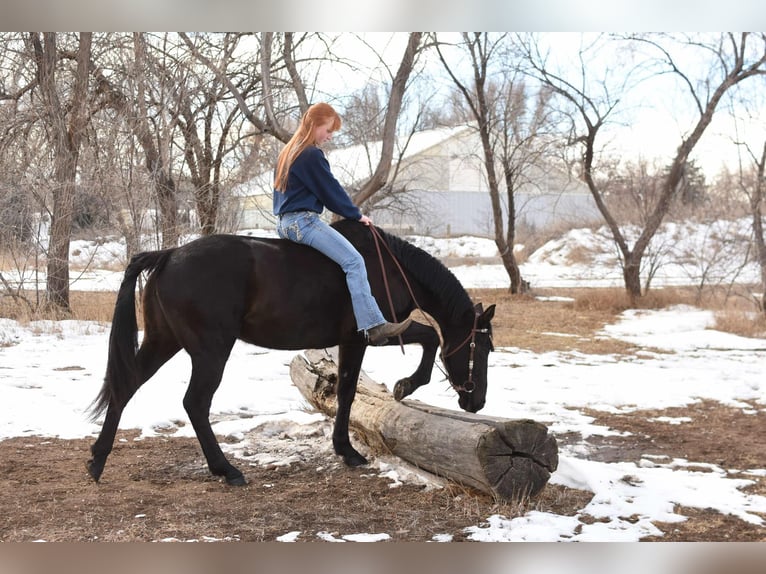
(94,470)
(238,480)
(355,459)
(402,389)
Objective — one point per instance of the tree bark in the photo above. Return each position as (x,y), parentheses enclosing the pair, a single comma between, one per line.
(756,212)
(510,459)
(156,163)
(150,136)
(67,122)
(396,97)
(498,121)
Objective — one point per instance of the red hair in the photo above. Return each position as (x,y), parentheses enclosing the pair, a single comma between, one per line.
(316,115)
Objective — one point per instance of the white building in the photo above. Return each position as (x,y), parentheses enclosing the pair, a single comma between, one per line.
(440,189)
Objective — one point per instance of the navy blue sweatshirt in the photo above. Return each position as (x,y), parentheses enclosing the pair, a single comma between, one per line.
(311,186)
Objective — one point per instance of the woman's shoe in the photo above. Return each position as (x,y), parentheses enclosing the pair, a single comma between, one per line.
(381,333)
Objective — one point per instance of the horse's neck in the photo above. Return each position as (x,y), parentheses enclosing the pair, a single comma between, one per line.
(438,311)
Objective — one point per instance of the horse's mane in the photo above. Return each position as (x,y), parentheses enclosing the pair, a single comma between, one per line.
(432,274)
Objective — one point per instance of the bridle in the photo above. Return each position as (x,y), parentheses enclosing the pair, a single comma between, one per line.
(469,386)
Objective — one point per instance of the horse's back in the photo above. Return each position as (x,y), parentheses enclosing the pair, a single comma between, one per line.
(211,267)
(270,292)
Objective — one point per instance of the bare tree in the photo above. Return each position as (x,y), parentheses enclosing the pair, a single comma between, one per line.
(154,133)
(17,78)
(750,177)
(184,119)
(140,95)
(729,60)
(393,109)
(271,80)
(363,121)
(211,121)
(752,182)
(757,199)
(511,123)
(66,120)
(284,84)
(272,120)
(118,160)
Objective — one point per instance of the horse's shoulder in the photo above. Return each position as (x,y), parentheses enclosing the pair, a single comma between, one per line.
(358,234)
(348,227)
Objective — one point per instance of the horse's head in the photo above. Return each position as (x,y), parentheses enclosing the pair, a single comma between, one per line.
(465,355)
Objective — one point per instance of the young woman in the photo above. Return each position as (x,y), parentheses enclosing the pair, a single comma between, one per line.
(304,186)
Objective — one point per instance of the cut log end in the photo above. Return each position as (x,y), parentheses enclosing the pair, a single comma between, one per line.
(517,459)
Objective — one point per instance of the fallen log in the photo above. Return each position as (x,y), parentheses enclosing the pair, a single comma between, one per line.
(509,459)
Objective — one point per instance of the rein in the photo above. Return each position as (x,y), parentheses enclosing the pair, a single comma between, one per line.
(378,240)
(469,385)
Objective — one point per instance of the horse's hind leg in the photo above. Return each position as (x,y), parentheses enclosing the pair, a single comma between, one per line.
(151,356)
(103,446)
(207,370)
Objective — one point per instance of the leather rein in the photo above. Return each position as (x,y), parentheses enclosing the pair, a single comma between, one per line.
(470,340)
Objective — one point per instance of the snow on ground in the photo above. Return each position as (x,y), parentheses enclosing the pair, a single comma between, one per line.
(680,254)
(51,371)
(579,257)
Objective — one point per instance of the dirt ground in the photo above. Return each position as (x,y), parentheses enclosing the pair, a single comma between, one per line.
(159,488)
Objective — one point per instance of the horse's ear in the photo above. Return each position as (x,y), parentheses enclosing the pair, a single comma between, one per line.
(488,314)
(483,315)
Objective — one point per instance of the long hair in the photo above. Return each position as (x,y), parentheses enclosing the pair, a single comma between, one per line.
(303,137)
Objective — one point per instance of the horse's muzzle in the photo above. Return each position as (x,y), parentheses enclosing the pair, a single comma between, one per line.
(468,404)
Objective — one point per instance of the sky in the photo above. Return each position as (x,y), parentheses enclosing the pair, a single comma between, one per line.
(50,372)
(649,120)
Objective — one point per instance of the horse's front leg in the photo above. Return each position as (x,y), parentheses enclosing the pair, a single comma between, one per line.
(426,336)
(349,365)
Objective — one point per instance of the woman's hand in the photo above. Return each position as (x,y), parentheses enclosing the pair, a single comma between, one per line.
(366,220)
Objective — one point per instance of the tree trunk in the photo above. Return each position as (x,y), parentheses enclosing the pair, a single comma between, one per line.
(632,275)
(510,459)
(756,211)
(512,268)
(167,200)
(66,130)
(60,234)
(156,162)
(396,97)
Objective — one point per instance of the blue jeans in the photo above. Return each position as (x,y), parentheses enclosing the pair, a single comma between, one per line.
(306,227)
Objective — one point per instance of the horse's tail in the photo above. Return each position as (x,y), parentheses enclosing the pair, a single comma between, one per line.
(121,380)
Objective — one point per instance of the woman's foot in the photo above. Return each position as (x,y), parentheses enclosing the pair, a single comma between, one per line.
(381,333)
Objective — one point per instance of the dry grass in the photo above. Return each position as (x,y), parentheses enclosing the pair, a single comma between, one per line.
(159,488)
(616,300)
(571,319)
(580,255)
(565,319)
(85,306)
(93,306)
(740,322)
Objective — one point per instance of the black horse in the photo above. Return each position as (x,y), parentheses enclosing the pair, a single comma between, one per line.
(205,295)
